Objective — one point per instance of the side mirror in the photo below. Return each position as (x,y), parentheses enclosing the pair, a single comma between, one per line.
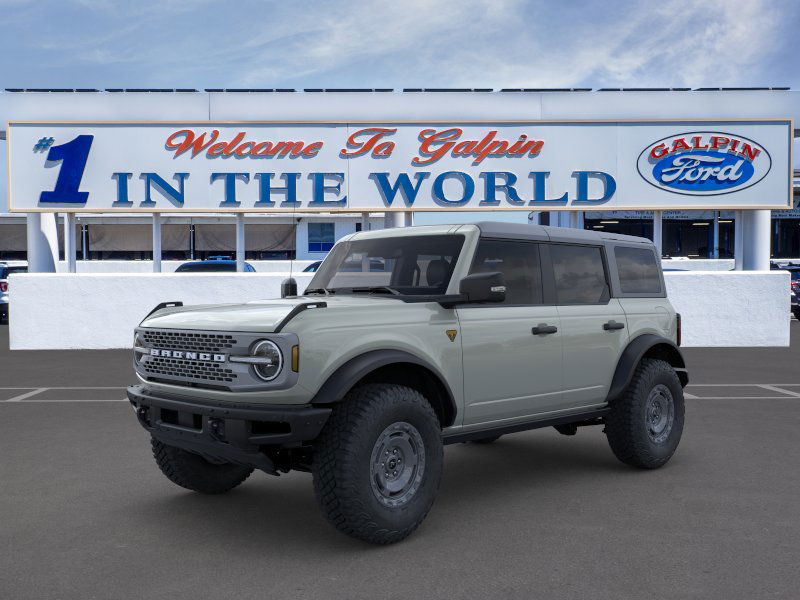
(288,287)
(483,287)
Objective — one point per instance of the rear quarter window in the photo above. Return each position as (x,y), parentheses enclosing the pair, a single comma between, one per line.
(638,270)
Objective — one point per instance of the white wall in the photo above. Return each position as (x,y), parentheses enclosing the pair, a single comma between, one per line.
(169,266)
(731,308)
(79,311)
(52,311)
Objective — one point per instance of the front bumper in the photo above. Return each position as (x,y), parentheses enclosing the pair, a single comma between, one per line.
(237,433)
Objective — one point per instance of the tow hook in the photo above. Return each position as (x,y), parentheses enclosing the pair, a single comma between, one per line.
(217,429)
(142,413)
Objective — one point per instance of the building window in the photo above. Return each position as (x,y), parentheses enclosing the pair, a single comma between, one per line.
(320,237)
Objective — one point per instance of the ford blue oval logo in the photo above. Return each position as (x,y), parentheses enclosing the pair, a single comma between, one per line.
(704,163)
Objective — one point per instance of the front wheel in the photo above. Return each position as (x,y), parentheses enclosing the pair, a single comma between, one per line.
(193,472)
(646,423)
(378,463)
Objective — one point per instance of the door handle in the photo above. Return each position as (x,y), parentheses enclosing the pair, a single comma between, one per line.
(544,329)
(611,325)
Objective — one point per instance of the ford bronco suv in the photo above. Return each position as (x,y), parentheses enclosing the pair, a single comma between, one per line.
(406,340)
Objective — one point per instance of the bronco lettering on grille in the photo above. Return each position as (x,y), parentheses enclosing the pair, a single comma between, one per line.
(204,356)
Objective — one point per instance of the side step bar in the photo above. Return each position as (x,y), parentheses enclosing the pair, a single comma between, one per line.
(593,417)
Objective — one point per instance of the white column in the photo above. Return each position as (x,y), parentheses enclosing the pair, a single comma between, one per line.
(658,231)
(156,243)
(394,219)
(738,239)
(42,240)
(69,241)
(85,242)
(756,242)
(408,220)
(240,242)
(364,221)
(715,236)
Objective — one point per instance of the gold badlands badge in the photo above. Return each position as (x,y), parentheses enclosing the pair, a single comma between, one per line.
(452,333)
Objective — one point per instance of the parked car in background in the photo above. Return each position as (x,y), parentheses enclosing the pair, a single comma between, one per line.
(6,269)
(212,265)
(312,268)
(795,283)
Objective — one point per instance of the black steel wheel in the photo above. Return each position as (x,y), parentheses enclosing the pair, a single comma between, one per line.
(378,463)
(645,424)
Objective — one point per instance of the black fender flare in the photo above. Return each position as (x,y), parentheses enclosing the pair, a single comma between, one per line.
(351,372)
(633,354)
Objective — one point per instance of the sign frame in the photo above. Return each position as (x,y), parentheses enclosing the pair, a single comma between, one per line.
(423,122)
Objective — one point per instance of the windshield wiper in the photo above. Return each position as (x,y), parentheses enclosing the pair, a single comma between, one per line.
(375,289)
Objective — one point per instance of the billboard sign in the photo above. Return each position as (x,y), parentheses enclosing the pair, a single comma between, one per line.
(209,167)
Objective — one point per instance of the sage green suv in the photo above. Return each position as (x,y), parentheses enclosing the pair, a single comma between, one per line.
(407,340)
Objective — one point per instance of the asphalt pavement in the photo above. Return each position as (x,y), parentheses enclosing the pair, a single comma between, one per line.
(85,513)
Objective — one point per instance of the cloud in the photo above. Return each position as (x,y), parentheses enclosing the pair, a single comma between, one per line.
(403,43)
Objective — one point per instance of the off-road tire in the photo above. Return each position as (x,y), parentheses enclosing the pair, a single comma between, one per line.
(487,440)
(627,427)
(193,472)
(344,481)
(795,312)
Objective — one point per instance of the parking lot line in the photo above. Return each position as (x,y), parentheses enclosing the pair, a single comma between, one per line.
(776,388)
(27,394)
(82,387)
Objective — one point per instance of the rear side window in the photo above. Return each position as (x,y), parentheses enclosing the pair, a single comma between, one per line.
(638,270)
(519,264)
(579,273)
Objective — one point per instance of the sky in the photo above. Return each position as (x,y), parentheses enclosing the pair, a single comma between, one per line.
(403,43)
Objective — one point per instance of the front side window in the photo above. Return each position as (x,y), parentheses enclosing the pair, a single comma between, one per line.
(321,237)
(638,271)
(519,264)
(579,273)
(420,264)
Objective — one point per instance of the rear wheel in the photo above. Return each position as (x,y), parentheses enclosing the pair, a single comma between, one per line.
(193,472)
(645,425)
(378,463)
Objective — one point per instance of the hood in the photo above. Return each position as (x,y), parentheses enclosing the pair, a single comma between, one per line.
(260,316)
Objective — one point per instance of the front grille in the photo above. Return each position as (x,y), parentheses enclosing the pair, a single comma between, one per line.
(191,369)
(197,342)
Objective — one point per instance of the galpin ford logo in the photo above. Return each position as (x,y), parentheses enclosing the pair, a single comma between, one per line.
(704,163)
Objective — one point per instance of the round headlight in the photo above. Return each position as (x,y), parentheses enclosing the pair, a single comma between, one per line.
(269,368)
(138,342)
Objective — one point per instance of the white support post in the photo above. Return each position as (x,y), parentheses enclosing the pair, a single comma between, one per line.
(42,239)
(738,240)
(756,242)
(85,242)
(715,236)
(364,221)
(408,219)
(69,241)
(156,243)
(658,231)
(394,219)
(240,242)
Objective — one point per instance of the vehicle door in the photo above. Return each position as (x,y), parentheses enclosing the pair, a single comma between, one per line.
(512,350)
(593,324)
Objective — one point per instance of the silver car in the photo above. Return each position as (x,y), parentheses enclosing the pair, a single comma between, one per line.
(6,269)
(407,340)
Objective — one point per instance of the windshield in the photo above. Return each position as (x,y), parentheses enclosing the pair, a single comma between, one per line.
(416,265)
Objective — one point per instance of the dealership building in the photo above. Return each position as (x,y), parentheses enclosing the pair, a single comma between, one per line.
(121,238)
(108,191)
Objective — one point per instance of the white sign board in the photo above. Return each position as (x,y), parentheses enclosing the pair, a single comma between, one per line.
(362,167)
